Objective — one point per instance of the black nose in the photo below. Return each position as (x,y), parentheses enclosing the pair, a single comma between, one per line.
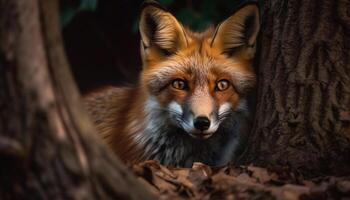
(202,123)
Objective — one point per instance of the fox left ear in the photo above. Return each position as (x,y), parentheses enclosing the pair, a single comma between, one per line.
(238,33)
(161,34)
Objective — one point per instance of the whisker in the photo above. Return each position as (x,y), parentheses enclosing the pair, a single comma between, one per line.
(167,110)
(224,115)
(180,120)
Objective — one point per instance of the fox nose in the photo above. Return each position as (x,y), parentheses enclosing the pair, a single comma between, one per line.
(202,123)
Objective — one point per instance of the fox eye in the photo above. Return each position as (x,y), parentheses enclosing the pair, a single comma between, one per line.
(179,84)
(222,85)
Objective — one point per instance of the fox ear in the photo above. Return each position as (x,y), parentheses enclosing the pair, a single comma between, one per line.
(160,32)
(238,33)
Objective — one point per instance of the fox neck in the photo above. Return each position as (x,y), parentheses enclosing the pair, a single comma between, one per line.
(161,140)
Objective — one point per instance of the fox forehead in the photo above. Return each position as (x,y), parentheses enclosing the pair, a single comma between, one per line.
(200,68)
(199,57)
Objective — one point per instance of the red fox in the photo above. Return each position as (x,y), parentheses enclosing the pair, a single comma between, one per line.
(190,101)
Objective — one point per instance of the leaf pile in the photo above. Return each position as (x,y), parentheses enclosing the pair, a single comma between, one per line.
(244,182)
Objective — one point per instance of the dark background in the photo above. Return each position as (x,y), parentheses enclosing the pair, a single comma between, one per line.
(102,40)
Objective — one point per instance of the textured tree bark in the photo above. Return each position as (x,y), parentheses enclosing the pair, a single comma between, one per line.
(303,113)
(48,148)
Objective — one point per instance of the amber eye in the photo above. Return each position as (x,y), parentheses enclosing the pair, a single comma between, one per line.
(222,85)
(179,84)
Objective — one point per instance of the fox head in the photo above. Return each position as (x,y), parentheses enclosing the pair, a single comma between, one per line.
(198,79)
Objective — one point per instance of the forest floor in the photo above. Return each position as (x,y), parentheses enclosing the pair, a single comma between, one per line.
(245,182)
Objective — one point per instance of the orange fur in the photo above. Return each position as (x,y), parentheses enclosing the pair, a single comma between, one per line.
(170,52)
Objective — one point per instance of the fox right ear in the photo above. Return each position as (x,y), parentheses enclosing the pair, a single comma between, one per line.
(239,32)
(161,33)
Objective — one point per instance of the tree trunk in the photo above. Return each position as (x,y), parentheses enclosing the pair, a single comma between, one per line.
(48,148)
(303,113)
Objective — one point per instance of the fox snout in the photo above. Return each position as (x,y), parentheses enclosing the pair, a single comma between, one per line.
(202,114)
(200,117)
(201,124)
